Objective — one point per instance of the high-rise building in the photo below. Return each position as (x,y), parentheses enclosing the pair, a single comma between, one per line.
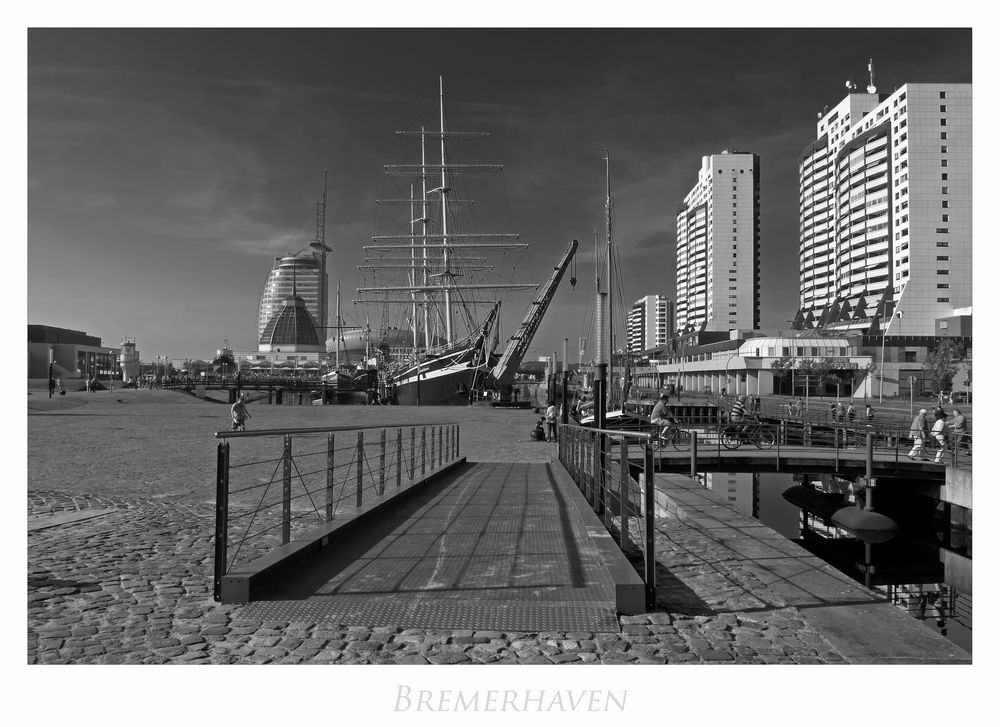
(650,322)
(301,274)
(885,200)
(718,246)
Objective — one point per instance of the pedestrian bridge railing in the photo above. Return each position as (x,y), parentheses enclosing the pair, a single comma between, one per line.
(274,486)
(784,436)
(600,463)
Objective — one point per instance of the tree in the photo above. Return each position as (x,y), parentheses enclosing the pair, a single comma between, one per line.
(942,363)
(782,366)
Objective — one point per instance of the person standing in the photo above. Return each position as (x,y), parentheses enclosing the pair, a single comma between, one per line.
(918,432)
(839,412)
(869,412)
(850,412)
(52,386)
(937,431)
(550,421)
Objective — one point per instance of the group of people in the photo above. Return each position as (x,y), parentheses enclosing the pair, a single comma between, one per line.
(921,431)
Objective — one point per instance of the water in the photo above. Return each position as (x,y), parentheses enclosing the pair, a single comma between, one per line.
(925,570)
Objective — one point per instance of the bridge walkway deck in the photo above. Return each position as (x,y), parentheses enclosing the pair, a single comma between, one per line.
(491,546)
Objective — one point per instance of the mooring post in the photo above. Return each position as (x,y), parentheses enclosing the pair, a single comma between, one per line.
(286,492)
(381,465)
(329,476)
(221,517)
(360,458)
(399,458)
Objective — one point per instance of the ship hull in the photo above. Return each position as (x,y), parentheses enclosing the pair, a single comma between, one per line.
(450,386)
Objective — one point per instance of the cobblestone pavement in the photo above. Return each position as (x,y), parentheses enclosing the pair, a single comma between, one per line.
(133,584)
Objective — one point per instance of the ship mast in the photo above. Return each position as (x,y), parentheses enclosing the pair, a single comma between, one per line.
(320,247)
(338,326)
(446,275)
(610,312)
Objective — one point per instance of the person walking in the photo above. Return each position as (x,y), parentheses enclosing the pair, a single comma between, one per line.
(869,412)
(798,406)
(918,432)
(960,431)
(840,412)
(850,412)
(240,414)
(937,432)
(52,386)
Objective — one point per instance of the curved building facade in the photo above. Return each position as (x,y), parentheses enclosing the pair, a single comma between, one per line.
(290,329)
(300,274)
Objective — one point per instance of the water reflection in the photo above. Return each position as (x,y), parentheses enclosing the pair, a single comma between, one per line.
(925,568)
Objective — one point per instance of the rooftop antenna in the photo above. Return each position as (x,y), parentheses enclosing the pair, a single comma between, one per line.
(851,86)
(871,76)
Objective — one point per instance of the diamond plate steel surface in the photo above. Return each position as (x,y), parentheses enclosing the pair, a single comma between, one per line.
(497,547)
(440,614)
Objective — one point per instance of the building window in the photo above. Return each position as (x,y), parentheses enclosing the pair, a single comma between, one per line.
(944,108)
(943,286)
(944,204)
(944,176)
(941,230)
(944,135)
(942,272)
(942,243)
(944,149)
(944,218)
(944,300)
(944,162)
(944,190)
(942,94)
(944,122)
(942,257)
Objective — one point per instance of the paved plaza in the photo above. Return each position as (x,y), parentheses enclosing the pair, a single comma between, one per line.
(121,489)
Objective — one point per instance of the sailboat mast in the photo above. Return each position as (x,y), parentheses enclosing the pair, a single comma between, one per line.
(610,316)
(339,332)
(413,274)
(425,220)
(445,276)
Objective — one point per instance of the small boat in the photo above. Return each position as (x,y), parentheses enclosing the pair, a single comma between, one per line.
(831,507)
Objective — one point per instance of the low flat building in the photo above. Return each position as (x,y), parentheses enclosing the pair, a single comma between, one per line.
(73,354)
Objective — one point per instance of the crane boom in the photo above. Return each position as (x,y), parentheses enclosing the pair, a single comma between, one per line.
(517,346)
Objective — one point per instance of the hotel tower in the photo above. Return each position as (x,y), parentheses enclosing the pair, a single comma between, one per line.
(885,212)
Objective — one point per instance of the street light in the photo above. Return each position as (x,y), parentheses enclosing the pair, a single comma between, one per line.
(881,368)
(726,371)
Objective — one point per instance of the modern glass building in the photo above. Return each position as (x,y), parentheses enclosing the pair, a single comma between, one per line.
(302,274)
(650,322)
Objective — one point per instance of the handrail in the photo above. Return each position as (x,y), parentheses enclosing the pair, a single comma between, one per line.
(615,432)
(324,430)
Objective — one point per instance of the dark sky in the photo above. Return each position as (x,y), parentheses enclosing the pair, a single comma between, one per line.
(167,167)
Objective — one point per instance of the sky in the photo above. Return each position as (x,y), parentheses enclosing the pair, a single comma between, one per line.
(167,167)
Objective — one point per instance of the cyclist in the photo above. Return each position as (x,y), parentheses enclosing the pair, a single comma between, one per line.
(738,414)
(240,413)
(661,417)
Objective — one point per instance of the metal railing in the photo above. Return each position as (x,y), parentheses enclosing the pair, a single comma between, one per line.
(803,435)
(600,462)
(292,480)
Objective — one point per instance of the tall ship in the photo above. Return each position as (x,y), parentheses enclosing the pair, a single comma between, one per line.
(436,294)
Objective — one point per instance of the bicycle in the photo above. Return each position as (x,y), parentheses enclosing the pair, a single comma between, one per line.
(679,438)
(733,436)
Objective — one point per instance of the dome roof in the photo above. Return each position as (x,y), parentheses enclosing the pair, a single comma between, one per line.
(291,325)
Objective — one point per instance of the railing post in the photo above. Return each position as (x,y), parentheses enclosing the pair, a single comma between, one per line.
(381,465)
(413,452)
(399,458)
(458,434)
(623,481)
(602,440)
(624,496)
(329,476)
(650,507)
(361,459)
(869,466)
(286,492)
(836,448)
(595,464)
(221,517)
(423,451)
(694,453)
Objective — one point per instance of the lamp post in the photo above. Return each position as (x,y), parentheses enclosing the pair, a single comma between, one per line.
(881,368)
(726,372)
